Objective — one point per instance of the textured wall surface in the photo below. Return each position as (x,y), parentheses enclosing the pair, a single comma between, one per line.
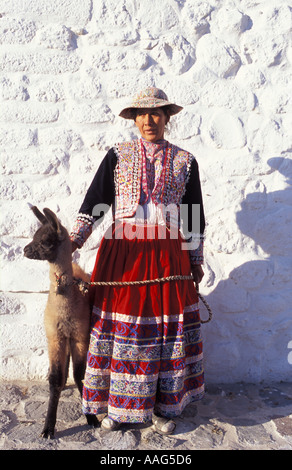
(66,68)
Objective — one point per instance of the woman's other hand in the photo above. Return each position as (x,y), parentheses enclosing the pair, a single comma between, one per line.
(198,273)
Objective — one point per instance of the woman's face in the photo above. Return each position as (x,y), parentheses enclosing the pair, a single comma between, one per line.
(151,123)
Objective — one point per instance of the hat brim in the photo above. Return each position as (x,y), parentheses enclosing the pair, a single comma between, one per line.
(129,113)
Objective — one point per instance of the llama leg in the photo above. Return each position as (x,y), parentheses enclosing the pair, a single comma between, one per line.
(79,354)
(58,351)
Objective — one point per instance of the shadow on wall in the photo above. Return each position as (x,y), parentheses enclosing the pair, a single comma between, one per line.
(248,337)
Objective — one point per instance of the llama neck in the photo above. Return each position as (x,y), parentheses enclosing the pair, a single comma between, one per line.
(61,272)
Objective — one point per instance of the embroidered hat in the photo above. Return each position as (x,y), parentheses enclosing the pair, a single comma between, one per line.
(151,97)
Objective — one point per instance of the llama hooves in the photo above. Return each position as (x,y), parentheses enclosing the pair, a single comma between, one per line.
(92,421)
(48,434)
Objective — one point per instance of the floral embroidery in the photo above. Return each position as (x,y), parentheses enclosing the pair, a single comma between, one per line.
(197,254)
(82,229)
(127,182)
(169,188)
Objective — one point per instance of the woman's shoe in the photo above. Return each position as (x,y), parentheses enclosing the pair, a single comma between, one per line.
(109,424)
(162,425)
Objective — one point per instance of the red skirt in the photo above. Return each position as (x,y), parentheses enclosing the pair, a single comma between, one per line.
(145,352)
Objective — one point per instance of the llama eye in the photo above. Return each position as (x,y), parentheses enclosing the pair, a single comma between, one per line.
(46,244)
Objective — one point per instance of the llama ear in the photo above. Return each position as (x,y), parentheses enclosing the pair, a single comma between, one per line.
(39,215)
(53,220)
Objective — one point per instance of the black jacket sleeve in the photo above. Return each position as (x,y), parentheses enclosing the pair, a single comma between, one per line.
(193,195)
(102,188)
(101,191)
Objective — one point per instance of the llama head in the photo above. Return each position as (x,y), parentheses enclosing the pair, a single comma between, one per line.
(48,238)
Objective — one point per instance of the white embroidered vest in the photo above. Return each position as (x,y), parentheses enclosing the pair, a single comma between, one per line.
(128,175)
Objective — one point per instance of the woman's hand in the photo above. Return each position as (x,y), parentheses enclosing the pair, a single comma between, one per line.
(198,273)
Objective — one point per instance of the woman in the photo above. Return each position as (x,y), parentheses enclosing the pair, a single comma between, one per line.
(145,354)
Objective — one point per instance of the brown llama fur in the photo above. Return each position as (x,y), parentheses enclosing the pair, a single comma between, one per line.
(67,314)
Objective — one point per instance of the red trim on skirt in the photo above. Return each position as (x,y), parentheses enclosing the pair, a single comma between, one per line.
(145,350)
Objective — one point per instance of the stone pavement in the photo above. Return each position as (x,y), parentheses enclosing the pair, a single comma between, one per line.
(237,416)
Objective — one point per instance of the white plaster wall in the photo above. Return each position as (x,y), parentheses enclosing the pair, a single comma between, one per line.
(66,68)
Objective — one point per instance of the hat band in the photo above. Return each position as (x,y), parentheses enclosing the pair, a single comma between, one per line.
(149,103)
